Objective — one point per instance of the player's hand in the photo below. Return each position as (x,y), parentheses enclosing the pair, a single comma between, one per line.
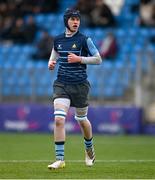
(51,65)
(73,58)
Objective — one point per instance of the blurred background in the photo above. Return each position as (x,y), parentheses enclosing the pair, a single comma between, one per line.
(122,98)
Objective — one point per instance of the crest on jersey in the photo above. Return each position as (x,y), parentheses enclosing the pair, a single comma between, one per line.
(59,46)
(74,46)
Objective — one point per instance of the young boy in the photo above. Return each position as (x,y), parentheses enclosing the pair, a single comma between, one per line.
(73,51)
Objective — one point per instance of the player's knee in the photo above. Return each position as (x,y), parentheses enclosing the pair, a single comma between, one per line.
(85,124)
(59,122)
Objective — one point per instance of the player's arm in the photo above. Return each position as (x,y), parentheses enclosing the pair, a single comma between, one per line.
(94,57)
(52,60)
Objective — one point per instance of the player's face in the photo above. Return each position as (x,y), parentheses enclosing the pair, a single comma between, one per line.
(74,23)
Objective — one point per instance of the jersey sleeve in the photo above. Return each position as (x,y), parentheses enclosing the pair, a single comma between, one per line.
(92,50)
(54,55)
(94,56)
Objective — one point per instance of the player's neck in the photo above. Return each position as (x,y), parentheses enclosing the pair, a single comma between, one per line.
(69,33)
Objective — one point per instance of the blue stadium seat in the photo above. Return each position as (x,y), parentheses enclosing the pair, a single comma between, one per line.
(66,4)
(120,33)
(40,19)
(51,18)
(28,49)
(15,49)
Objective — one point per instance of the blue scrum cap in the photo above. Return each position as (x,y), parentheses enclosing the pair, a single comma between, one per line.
(70,13)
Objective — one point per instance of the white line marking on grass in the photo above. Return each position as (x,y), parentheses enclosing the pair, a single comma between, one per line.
(79,161)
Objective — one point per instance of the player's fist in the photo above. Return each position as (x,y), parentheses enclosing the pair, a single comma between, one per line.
(51,65)
(73,58)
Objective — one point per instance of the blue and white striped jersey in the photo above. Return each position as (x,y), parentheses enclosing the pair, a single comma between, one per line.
(79,44)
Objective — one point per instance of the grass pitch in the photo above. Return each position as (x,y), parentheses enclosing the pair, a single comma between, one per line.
(26,156)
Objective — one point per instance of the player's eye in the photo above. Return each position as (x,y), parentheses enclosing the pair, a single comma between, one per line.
(75,18)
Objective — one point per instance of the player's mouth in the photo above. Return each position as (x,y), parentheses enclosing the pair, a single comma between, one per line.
(75,26)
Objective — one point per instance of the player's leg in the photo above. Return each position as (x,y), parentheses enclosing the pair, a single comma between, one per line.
(86,128)
(61,106)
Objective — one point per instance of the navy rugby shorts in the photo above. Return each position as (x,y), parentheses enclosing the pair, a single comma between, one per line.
(77,93)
